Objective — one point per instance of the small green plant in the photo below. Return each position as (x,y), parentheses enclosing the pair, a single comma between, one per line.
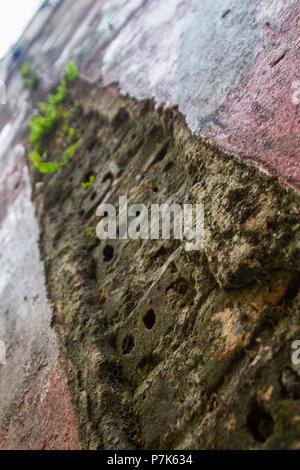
(45,123)
(89,182)
(71,71)
(70,75)
(51,167)
(60,94)
(71,134)
(29,75)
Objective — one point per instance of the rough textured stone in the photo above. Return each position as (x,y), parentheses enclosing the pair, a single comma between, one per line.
(168,348)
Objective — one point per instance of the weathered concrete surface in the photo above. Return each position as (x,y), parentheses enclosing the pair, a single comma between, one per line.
(35,406)
(232,69)
(231,66)
(172,349)
(35,403)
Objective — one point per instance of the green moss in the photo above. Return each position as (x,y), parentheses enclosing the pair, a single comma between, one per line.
(89,182)
(71,134)
(29,75)
(50,167)
(45,123)
(60,94)
(71,71)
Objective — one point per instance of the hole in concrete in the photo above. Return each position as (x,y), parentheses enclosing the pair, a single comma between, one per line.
(180,285)
(92,145)
(87,176)
(259,423)
(108,253)
(293,289)
(149,319)
(168,166)
(161,153)
(155,189)
(120,117)
(107,176)
(173,267)
(128,344)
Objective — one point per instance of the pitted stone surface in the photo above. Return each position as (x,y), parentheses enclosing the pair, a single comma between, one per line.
(172,349)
